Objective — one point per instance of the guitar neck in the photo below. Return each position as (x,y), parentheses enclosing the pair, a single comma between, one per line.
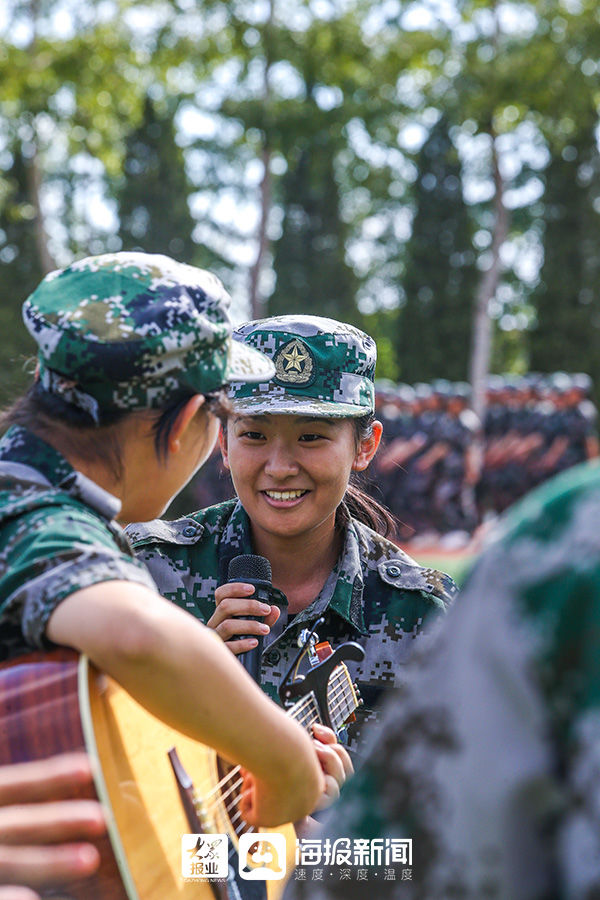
(341,701)
(306,711)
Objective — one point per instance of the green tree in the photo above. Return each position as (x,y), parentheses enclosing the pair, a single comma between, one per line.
(567,297)
(20,272)
(309,100)
(152,194)
(312,275)
(434,330)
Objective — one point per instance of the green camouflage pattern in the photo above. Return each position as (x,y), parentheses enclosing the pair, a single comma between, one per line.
(126,331)
(490,758)
(322,367)
(376,595)
(57,535)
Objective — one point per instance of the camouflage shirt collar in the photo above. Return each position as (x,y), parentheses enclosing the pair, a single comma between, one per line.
(341,593)
(235,539)
(19,445)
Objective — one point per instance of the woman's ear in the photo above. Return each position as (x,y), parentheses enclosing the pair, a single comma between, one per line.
(185,417)
(223,446)
(368,447)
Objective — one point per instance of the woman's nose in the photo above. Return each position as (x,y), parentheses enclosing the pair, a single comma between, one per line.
(280,461)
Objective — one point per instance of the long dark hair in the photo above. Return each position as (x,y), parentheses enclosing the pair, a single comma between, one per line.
(356,502)
(67,426)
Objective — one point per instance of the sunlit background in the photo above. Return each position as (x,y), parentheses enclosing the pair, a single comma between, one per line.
(428,171)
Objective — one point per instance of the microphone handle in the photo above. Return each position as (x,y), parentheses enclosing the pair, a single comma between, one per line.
(251,659)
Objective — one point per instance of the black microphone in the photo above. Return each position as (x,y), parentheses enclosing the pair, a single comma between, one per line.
(256,570)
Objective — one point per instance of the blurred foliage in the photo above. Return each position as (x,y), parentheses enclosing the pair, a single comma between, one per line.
(127,123)
(153,192)
(440,277)
(567,300)
(20,274)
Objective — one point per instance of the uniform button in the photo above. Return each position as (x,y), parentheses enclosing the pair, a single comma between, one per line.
(190,531)
(394,571)
(272,657)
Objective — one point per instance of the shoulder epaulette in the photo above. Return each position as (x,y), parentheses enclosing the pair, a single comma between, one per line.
(160,531)
(410,576)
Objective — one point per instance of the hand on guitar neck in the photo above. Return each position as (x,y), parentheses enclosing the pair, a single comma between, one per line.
(337,767)
(335,764)
(43,837)
(149,766)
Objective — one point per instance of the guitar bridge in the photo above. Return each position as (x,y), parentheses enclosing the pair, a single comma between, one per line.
(193,807)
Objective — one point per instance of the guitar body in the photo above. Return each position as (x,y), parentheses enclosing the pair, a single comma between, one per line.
(39,717)
(60,703)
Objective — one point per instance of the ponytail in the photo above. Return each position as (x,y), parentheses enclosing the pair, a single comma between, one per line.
(359,505)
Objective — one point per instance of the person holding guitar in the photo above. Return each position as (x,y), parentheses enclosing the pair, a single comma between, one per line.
(133,353)
(42,838)
(293,445)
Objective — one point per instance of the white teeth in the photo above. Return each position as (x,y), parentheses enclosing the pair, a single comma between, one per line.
(284,495)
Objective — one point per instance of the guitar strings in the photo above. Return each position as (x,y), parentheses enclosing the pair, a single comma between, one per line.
(232,808)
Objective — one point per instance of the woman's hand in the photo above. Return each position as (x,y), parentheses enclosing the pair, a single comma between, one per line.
(335,763)
(236,599)
(337,767)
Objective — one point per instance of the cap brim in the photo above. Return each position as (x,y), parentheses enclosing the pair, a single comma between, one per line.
(287,404)
(247,364)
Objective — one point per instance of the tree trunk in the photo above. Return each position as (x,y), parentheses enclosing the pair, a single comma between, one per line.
(257,303)
(34,175)
(482,324)
(34,182)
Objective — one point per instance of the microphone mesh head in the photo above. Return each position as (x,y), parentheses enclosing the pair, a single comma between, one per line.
(249,566)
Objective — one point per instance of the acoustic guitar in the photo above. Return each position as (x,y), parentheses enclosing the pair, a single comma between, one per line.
(154,782)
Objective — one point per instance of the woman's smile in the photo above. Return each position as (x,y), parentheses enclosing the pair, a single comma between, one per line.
(283,499)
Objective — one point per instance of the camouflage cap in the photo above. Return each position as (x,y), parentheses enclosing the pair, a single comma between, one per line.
(127,331)
(322,368)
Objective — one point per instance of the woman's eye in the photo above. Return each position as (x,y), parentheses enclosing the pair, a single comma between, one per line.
(311,437)
(252,435)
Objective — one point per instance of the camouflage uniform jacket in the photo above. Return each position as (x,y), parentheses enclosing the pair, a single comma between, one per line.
(491,761)
(376,595)
(56,536)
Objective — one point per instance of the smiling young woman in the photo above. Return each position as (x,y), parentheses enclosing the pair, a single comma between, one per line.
(293,446)
(290,474)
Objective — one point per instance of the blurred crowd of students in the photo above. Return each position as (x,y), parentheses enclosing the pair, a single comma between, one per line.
(440,473)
